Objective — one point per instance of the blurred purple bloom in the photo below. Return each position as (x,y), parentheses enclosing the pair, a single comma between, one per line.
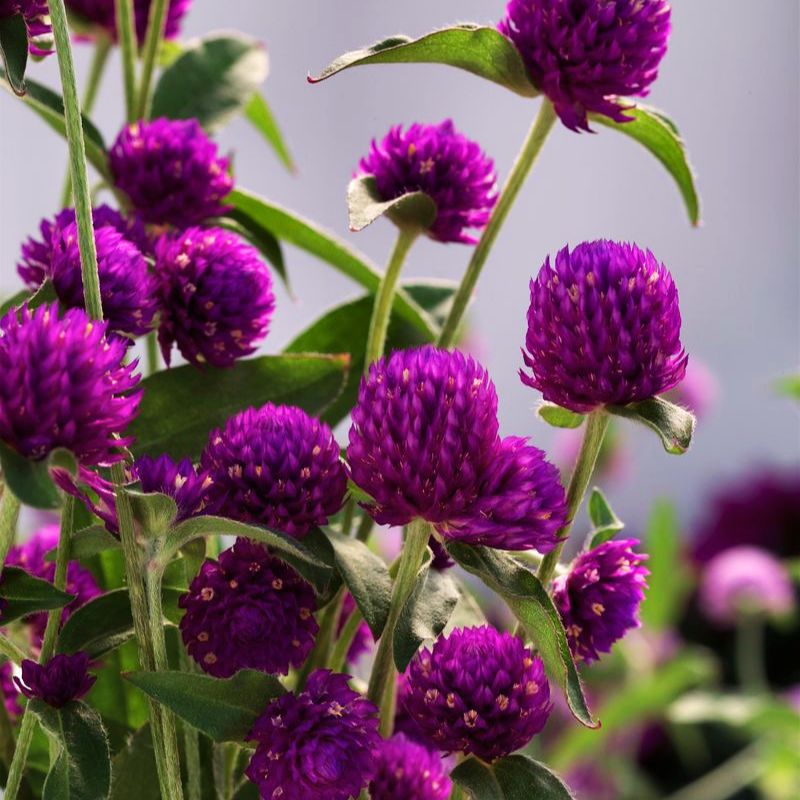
(57,682)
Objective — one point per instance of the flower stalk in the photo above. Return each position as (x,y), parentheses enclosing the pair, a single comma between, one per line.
(126,35)
(155,33)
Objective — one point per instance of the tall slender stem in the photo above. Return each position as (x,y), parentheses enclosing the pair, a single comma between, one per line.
(155,33)
(345,641)
(24,736)
(126,36)
(151,349)
(750,654)
(9,515)
(541,127)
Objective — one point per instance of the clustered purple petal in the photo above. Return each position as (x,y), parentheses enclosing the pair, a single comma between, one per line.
(248,610)
(478,691)
(603,327)
(442,163)
(64,385)
(599,597)
(36,15)
(170,171)
(215,294)
(320,744)
(409,771)
(275,466)
(58,681)
(585,54)
(103,14)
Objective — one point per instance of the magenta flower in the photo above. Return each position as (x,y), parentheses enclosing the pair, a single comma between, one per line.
(409,771)
(102,13)
(36,15)
(58,681)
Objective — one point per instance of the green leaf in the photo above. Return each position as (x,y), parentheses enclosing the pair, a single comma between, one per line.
(155,512)
(259,237)
(673,424)
(180,406)
(477,779)
(260,116)
(212,80)
(560,417)
(14,50)
(15,301)
(533,607)
(365,205)
(86,543)
(225,710)
(522,778)
(25,595)
(483,51)
(31,481)
(789,385)
(655,131)
(136,759)
(606,523)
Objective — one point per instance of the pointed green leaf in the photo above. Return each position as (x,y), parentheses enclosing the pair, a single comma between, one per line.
(25,595)
(477,779)
(606,523)
(87,542)
(559,417)
(522,778)
(365,205)
(29,480)
(673,424)
(154,512)
(15,301)
(260,116)
(14,50)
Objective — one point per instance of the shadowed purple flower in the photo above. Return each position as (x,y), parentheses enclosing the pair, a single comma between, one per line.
(603,328)
(599,597)
(320,744)
(275,466)
(58,681)
(64,385)
(363,639)
(744,580)
(248,610)
(171,172)
(215,294)
(440,559)
(36,15)
(102,13)
(586,54)
(9,690)
(478,691)
(448,167)
(409,771)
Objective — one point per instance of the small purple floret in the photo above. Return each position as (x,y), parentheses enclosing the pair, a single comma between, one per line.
(57,682)
(409,771)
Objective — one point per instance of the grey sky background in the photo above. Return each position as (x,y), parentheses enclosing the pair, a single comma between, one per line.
(731,82)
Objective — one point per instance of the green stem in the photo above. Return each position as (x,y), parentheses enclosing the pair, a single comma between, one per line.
(155,33)
(381,311)
(126,36)
(365,528)
(541,127)
(9,515)
(7,743)
(727,779)
(338,659)
(750,654)
(383,679)
(151,343)
(24,736)
(191,743)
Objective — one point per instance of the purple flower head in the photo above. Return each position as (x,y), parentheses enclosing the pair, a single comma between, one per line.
(170,171)
(180,480)
(478,691)
(585,54)
(744,580)
(363,640)
(248,610)
(409,771)
(36,15)
(603,328)
(275,466)
(215,294)
(10,695)
(58,681)
(64,385)
(600,596)
(102,13)
(320,744)
(448,167)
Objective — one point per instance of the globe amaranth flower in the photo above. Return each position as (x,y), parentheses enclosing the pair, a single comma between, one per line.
(744,581)
(603,328)
(170,171)
(215,294)
(445,165)
(36,16)
(248,610)
(64,385)
(275,466)
(585,54)
(319,744)
(408,770)
(102,13)
(58,681)
(599,598)
(10,695)
(478,691)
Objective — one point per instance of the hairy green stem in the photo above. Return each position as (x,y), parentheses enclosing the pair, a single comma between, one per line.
(541,127)
(155,33)
(24,736)
(9,515)
(750,654)
(727,779)
(191,744)
(126,36)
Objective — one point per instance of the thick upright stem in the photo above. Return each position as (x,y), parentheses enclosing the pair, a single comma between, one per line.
(155,33)
(126,36)
(541,127)
(9,515)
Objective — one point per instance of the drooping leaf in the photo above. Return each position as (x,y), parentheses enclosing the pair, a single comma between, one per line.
(477,779)
(673,424)
(606,523)
(14,50)
(154,512)
(260,116)
(483,51)
(560,417)
(521,778)
(31,481)
(364,205)
(86,543)
(25,595)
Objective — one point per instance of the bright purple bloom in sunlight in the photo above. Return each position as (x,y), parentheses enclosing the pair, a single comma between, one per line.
(10,695)
(275,466)
(439,161)
(36,15)
(363,640)
(102,13)
(409,771)
(57,682)
(215,294)
(248,610)
(171,171)
(320,744)
(478,691)
(745,580)
(586,55)
(64,385)
(603,327)
(599,597)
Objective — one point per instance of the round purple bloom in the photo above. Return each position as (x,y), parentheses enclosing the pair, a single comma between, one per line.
(102,13)
(10,695)
(600,596)
(585,54)
(409,771)
(36,15)
(363,639)
(744,580)
(478,691)
(180,480)
(64,385)
(171,172)
(248,610)
(57,682)
(215,294)
(320,744)
(448,167)
(275,466)
(603,328)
